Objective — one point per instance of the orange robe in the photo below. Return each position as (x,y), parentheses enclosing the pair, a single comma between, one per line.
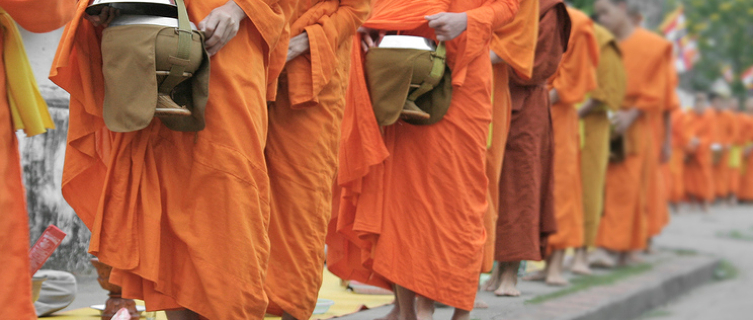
(657,170)
(726,132)
(677,162)
(301,151)
(181,217)
(417,217)
(739,143)
(699,174)
(515,43)
(575,77)
(15,280)
(526,206)
(746,170)
(648,62)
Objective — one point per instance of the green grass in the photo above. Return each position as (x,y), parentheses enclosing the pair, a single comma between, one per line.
(736,235)
(586,282)
(725,271)
(685,252)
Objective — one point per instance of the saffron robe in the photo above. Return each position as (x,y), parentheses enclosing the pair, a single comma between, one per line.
(526,204)
(647,58)
(181,217)
(680,140)
(726,135)
(15,280)
(698,173)
(301,151)
(575,77)
(610,93)
(397,212)
(515,44)
(746,169)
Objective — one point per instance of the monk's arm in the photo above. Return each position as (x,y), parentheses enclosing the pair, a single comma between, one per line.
(343,24)
(549,50)
(576,75)
(40,15)
(493,15)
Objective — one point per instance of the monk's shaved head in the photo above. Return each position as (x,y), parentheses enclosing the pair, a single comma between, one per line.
(616,15)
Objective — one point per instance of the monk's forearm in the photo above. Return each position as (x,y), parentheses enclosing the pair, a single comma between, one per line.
(667,127)
(588,107)
(349,16)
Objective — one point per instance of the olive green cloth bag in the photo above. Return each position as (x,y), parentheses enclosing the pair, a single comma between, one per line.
(405,82)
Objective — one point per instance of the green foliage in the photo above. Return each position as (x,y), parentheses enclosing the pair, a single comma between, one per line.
(725,271)
(725,32)
(586,6)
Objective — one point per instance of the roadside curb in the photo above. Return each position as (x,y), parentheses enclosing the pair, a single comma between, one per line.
(629,298)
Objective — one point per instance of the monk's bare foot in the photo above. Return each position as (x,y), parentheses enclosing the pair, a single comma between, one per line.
(580,263)
(554,269)
(601,259)
(424,308)
(536,276)
(509,280)
(480,304)
(557,281)
(629,259)
(461,315)
(394,313)
(494,281)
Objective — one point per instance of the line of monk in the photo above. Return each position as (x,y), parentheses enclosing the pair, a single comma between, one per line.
(563,132)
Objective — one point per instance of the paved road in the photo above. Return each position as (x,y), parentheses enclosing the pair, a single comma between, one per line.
(722,300)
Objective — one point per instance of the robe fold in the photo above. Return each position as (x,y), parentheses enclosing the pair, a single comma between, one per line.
(746,169)
(648,61)
(726,135)
(181,217)
(397,212)
(610,93)
(526,205)
(301,151)
(15,280)
(736,154)
(515,44)
(680,141)
(575,77)
(698,173)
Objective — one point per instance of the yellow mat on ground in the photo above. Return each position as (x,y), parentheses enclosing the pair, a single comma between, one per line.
(346,303)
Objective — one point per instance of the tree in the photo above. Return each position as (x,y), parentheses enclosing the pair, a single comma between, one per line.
(725,37)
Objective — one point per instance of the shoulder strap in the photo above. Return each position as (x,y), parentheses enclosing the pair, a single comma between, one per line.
(180,60)
(437,72)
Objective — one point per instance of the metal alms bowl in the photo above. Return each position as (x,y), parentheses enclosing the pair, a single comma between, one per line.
(407,42)
(162,8)
(125,20)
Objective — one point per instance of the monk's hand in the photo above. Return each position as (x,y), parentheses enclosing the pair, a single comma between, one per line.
(221,25)
(370,37)
(623,119)
(298,45)
(494,57)
(448,25)
(694,143)
(104,17)
(554,97)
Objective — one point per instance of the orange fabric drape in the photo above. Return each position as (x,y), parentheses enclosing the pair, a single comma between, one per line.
(746,169)
(680,140)
(385,201)
(726,135)
(575,77)
(515,44)
(648,62)
(15,280)
(698,173)
(301,151)
(181,217)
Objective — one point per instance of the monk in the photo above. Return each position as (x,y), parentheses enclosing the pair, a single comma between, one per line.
(526,204)
(746,171)
(301,150)
(735,154)
(21,108)
(698,166)
(677,161)
(181,217)
(402,215)
(607,97)
(575,77)
(513,48)
(725,127)
(647,59)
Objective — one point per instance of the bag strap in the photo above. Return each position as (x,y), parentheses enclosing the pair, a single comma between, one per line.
(180,60)
(437,72)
